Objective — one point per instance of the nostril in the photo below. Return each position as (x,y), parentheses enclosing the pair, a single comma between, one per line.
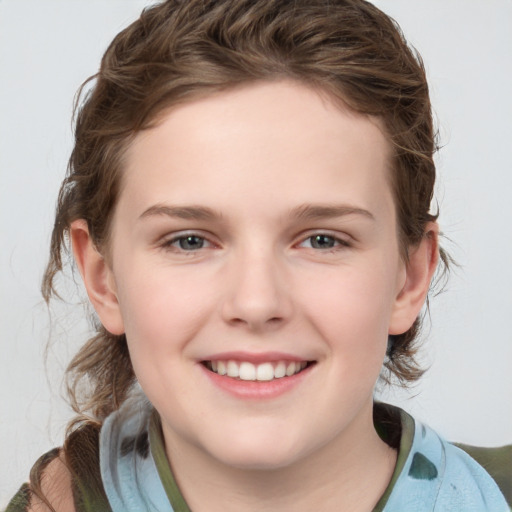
(255,323)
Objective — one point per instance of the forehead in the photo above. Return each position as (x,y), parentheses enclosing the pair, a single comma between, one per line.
(277,140)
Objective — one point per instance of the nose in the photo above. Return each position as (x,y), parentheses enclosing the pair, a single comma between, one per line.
(257,292)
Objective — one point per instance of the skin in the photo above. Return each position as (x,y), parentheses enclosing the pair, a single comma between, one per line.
(256,157)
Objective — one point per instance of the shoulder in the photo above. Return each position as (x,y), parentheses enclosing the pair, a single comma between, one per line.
(461,482)
(433,474)
(66,479)
(50,486)
(497,462)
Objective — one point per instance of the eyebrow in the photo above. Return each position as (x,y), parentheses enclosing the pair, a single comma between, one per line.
(319,212)
(302,212)
(181,212)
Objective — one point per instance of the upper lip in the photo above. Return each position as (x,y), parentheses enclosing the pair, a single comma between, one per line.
(255,357)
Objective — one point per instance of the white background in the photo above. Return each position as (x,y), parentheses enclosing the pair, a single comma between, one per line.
(47,48)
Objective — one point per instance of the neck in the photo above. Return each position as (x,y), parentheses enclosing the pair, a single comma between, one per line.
(349,473)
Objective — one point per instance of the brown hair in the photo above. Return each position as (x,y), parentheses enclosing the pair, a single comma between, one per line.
(180,49)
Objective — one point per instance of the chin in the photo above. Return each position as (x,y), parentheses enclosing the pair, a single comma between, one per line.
(259,461)
(258,453)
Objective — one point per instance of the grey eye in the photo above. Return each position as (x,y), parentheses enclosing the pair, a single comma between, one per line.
(190,242)
(322,242)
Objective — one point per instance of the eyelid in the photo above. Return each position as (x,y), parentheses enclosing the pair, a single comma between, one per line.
(342,241)
(167,241)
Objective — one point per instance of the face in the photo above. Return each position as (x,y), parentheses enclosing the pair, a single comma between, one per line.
(256,267)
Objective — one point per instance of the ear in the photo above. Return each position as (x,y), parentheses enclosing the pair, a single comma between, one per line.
(419,270)
(97,277)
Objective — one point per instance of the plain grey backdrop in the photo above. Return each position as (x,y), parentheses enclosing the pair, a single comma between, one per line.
(47,48)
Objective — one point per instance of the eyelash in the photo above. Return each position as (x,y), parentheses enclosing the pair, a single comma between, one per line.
(339,243)
(172,243)
(176,243)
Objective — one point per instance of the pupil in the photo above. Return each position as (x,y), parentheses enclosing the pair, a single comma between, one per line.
(191,242)
(322,242)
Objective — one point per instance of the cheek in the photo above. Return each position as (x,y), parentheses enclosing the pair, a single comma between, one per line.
(161,316)
(352,310)
(162,309)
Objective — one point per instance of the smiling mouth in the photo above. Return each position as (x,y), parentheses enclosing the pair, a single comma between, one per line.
(244,370)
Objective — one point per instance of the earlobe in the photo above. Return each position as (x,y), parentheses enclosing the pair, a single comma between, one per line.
(97,277)
(419,270)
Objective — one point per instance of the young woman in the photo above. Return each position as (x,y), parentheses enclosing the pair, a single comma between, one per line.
(248,204)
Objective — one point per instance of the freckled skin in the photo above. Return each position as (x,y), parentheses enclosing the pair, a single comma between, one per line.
(253,275)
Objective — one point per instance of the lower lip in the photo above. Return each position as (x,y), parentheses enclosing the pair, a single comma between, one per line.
(257,390)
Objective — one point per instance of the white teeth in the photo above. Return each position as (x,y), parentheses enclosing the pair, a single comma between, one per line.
(247,371)
(265,371)
(290,369)
(221,368)
(261,372)
(280,370)
(232,369)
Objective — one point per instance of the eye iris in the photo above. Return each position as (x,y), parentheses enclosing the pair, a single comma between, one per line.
(191,242)
(322,242)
